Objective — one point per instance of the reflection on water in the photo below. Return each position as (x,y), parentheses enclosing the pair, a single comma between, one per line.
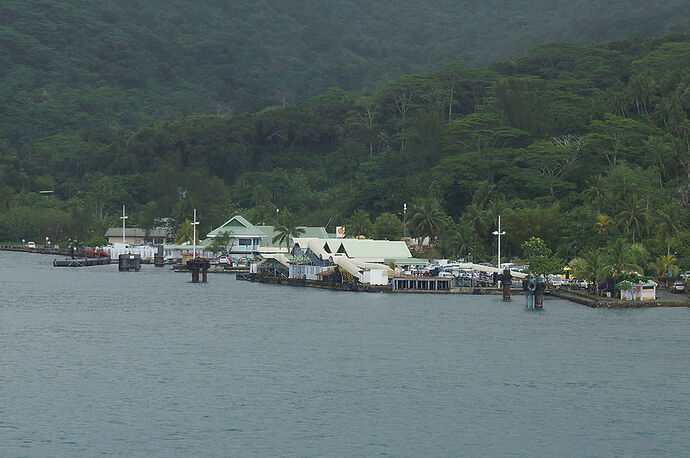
(93,360)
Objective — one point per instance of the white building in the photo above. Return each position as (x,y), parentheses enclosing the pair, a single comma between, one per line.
(245,238)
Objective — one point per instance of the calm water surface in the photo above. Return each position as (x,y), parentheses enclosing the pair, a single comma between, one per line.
(93,362)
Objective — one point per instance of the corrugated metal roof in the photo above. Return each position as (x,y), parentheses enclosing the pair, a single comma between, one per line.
(316,245)
(374,249)
(378,250)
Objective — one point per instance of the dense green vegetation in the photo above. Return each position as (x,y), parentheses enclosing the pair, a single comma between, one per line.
(70,65)
(586,148)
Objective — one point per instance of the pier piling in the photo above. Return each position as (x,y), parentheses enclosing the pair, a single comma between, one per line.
(127,262)
(506,282)
(159,258)
(196,266)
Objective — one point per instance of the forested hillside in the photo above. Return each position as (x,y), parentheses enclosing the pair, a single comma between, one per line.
(578,145)
(69,65)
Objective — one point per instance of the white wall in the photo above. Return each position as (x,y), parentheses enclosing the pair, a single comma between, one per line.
(374,277)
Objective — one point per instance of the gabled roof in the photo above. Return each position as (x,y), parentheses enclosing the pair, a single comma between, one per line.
(331,245)
(315,245)
(237,226)
(373,249)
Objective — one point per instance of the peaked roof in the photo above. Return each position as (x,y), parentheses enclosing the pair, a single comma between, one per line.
(315,245)
(237,225)
(373,249)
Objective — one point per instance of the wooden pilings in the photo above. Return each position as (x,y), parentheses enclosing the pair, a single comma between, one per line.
(159,258)
(506,282)
(196,266)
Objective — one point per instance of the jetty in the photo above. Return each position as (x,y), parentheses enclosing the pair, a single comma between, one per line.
(605,302)
(81,262)
(47,249)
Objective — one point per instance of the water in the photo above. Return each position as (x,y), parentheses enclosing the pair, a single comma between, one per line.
(93,361)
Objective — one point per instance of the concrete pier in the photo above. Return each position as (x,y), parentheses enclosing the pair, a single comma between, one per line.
(127,262)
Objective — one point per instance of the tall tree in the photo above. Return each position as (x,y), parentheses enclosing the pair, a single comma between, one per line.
(358,224)
(619,258)
(287,229)
(427,219)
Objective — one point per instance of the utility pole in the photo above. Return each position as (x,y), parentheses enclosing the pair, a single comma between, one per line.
(499,234)
(404,220)
(194,224)
(123,218)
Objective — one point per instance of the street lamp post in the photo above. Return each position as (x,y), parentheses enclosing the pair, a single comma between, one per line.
(405,220)
(194,224)
(123,218)
(499,234)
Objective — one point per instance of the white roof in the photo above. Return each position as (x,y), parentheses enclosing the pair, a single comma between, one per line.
(316,246)
(377,250)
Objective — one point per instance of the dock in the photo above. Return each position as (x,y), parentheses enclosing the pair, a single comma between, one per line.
(603,302)
(81,262)
(411,288)
(63,251)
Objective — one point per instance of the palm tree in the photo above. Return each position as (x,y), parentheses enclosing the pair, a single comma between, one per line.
(219,243)
(593,268)
(669,218)
(358,224)
(477,218)
(597,192)
(483,194)
(428,219)
(287,230)
(633,217)
(665,266)
(185,233)
(619,258)
(604,224)
(659,152)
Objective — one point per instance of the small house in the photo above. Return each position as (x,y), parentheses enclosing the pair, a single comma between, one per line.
(640,292)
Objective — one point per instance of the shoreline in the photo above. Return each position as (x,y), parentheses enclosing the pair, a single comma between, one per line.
(571,296)
(594,302)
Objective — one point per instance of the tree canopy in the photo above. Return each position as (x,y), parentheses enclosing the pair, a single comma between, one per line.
(609,161)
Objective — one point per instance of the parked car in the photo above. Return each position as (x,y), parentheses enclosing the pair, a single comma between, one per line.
(678,287)
(582,284)
(555,279)
(31,244)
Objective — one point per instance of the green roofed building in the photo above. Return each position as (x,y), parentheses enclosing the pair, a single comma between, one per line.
(245,238)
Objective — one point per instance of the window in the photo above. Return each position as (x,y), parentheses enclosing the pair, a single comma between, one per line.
(245,242)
